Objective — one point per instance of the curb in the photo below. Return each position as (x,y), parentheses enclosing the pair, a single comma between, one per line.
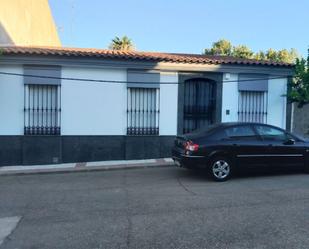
(85,167)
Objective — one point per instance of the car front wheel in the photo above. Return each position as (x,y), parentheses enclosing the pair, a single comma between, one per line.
(220,169)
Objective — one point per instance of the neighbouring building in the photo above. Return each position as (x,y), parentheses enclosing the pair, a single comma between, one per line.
(27,23)
(75,105)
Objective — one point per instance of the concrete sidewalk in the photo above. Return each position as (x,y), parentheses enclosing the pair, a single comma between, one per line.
(85,166)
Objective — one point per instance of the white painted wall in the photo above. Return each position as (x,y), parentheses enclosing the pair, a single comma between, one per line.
(11,101)
(230,97)
(277,102)
(92,108)
(168,103)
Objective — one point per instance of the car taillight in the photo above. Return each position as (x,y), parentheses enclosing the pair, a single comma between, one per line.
(190,146)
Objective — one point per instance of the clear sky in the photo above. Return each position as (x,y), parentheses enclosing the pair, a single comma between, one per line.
(186,26)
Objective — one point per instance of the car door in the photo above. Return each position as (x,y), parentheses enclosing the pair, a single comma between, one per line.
(281,148)
(245,144)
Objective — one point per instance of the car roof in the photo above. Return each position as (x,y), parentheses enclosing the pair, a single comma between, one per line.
(227,124)
(212,128)
(219,126)
(222,126)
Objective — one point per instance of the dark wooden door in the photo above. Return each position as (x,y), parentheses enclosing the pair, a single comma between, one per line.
(199,104)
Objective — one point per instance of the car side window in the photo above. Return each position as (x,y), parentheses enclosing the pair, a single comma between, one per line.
(271,133)
(243,132)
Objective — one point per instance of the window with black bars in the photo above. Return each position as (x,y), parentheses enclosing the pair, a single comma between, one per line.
(252,106)
(143,111)
(42,109)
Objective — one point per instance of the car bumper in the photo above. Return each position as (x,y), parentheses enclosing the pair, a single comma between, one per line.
(189,161)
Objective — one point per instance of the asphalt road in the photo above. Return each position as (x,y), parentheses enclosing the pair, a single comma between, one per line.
(156,208)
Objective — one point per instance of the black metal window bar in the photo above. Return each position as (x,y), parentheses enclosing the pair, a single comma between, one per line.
(252,106)
(42,109)
(143,111)
(199,104)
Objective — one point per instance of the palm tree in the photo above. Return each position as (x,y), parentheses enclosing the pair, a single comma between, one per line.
(123,43)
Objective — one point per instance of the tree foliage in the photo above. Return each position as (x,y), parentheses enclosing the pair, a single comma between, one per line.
(225,47)
(242,51)
(299,86)
(221,47)
(122,43)
(261,55)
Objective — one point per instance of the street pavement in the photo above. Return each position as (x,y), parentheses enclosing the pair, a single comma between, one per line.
(155,208)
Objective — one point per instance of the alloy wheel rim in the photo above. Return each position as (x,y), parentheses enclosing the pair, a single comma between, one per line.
(221,169)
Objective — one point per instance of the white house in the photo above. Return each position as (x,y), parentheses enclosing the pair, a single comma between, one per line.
(74,105)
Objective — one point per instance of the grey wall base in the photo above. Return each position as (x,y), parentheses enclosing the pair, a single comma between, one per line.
(28,150)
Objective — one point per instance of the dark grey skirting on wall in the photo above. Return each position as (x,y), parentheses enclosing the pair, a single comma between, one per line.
(27,150)
(92,148)
(11,150)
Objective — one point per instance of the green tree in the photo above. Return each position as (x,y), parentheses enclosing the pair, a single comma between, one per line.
(242,51)
(260,56)
(299,86)
(271,55)
(288,56)
(221,47)
(122,43)
(284,55)
(225,47)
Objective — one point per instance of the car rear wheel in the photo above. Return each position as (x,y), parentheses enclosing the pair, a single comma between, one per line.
(220,169)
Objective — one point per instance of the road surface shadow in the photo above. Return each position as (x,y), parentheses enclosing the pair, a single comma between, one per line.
(200,174)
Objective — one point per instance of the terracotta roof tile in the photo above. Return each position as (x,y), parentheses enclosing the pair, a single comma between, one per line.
(136,55)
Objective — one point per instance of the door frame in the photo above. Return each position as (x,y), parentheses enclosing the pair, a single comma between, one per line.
(217,78)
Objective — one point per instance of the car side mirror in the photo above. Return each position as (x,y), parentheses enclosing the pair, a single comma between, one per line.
(290,141)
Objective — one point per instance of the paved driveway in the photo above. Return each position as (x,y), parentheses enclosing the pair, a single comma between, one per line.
(156,208)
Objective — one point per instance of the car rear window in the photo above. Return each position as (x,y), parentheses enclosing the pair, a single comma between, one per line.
(204,132)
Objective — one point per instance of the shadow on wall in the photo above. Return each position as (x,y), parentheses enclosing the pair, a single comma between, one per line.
(5,39)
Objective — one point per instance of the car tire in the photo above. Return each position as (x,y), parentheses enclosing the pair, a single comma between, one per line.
(220,168)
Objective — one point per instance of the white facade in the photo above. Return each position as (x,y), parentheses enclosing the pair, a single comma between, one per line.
(99,108)
(230,97)
(93,108)
(276,100)
(168,104)
(11,101)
